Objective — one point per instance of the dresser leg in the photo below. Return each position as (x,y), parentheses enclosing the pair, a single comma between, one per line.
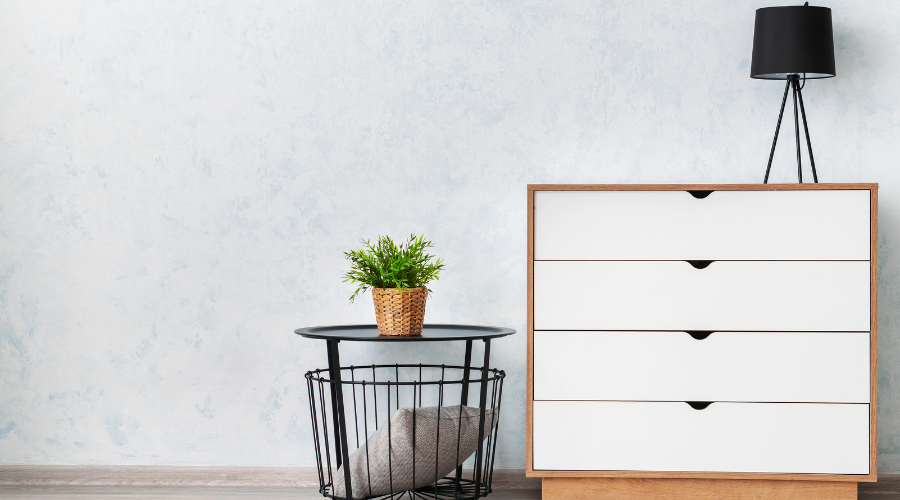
(563,488)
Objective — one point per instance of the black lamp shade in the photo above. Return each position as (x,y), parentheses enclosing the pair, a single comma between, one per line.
(792,40)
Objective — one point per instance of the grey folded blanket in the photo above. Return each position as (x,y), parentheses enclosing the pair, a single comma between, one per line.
(375,472)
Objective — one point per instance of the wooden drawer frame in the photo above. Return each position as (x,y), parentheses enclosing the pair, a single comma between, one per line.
(871,477)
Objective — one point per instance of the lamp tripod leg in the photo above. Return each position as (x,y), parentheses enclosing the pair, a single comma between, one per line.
(812,162)
(777,129)
(796,85)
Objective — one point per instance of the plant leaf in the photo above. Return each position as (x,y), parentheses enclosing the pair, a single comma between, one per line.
(389,265)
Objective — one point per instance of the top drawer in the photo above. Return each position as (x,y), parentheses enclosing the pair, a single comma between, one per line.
(724,225)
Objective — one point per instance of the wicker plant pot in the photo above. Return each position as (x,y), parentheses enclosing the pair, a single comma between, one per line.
(398,314)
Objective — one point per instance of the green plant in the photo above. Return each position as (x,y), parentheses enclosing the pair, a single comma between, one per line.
(388,265)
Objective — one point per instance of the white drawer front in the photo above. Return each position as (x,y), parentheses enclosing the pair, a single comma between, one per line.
(673,295)
(726,225)
(826,367)
(725,437)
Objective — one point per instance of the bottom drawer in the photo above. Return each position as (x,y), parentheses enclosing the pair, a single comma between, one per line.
(724,437)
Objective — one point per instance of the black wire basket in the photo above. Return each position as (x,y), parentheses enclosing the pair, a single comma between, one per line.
(394,445)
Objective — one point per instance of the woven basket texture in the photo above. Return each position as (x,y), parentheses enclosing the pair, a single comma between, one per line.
(400,314)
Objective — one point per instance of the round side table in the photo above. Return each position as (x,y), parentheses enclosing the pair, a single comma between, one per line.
(333,335)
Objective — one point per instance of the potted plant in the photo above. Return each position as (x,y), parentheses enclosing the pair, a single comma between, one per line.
(397,275)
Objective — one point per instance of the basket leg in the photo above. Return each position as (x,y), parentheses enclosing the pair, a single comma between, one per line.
(481,404)
(464,398)
(340,428)
(334,372)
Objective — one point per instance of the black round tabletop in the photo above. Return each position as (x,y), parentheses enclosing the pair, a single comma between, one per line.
(430,333)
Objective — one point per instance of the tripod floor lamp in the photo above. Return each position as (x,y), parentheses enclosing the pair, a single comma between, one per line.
(793,44)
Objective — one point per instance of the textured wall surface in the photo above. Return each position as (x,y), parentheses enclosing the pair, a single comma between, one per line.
(178,181)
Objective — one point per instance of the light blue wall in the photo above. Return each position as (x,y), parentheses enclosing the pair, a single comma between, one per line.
(178,181)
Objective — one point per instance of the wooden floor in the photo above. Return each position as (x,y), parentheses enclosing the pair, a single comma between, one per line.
(193,493)
(225,493)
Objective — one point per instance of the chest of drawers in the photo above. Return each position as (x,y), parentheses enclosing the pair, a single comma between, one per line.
(707,341)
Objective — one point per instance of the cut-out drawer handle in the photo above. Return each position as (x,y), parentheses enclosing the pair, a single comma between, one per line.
(700,264)
(699,334)
(700,193)
(699,405)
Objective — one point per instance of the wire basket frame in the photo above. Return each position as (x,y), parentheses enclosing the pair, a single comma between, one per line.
(363,399)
